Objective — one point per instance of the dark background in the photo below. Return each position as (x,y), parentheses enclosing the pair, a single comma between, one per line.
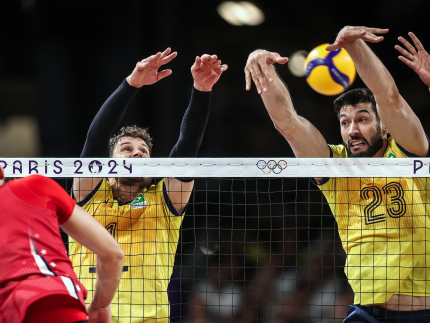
(63,59)
(59,61)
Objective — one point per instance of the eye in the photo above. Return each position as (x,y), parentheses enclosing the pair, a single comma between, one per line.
(344,123)
(362,119)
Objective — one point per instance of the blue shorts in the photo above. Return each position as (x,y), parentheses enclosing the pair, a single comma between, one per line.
(373,314)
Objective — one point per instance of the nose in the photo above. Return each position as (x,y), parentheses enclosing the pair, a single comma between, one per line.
(353,129)
(137,154)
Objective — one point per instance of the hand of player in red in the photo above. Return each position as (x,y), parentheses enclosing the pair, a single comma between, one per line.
(98,314)
(146,71)
(417,59)
(206,71)
(350,34)
(257,68)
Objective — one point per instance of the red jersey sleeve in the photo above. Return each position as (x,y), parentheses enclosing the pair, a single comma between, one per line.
(43,192)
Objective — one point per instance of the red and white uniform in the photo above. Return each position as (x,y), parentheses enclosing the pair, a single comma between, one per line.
(33,259)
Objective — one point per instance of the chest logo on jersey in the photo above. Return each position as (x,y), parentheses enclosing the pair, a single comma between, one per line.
(391,155)
(138,202)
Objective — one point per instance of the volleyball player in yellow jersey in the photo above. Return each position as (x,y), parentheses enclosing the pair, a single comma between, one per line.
(145,219)
(383,222)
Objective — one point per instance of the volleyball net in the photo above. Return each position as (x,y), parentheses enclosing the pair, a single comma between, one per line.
(259,241)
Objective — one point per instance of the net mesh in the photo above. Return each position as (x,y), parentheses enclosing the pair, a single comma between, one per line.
(267,248)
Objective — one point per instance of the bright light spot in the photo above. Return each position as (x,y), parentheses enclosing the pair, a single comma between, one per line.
(296,64)
(240,13)
(209,248)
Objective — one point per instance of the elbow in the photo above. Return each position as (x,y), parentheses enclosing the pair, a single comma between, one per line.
(287,129)
(114,255)
(391,99)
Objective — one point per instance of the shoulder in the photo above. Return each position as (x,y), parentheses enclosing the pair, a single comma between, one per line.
(338,151)
(35,183)
(394,150)
(100,193)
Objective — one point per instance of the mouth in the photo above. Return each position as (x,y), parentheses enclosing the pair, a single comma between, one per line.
(356,144)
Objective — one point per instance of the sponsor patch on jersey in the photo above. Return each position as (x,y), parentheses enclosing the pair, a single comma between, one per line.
(138,202)
(391,155)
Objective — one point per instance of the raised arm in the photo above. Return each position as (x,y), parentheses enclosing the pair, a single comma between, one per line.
(303,137)
(417,59)
(206,71)
(111,113)
(395,113)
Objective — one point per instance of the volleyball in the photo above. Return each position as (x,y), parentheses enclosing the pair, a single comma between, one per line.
(329,73)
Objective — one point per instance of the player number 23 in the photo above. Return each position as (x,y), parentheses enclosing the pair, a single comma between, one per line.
(395,209)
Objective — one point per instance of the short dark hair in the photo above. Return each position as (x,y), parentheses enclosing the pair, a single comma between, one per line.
(353,97)
(133,132)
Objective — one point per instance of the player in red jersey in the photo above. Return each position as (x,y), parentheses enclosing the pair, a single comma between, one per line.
(37,281)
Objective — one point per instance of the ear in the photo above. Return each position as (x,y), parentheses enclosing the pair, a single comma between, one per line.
(384,130)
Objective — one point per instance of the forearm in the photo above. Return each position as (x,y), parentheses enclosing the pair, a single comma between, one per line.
(107,120)
(278,103)
(373,72)
(193,125)
(108,278)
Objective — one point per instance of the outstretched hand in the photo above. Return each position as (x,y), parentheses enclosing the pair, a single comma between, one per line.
(257,68)
(206,71)
(417,59)
(146,71)
(350,34)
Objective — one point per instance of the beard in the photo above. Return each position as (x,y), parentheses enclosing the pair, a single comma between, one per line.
(141,182)
(376,143)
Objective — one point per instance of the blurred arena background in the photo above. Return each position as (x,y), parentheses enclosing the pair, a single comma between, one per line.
(60,60)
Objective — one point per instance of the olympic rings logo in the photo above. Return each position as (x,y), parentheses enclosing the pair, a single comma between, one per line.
(271,166)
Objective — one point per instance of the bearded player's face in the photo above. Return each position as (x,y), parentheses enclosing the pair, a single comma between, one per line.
(128,147)
(361,130)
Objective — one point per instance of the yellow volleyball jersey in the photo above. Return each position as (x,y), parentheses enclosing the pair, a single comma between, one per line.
(147,229)
(384,227)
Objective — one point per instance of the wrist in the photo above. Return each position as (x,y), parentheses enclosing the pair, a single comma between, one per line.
(99,306)
(202,88)
(131,83)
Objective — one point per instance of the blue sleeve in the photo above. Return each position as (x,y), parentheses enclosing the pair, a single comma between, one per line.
(107,120)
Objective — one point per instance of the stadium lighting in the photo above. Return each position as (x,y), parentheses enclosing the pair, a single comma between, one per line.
(241,13)
(296,64)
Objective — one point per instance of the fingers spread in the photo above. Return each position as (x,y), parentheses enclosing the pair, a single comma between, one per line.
(372,38)
(165,53)
(163,74)
(407,62)
(155,57)
(377,30)
(408,45)
(169,58)
(247,79)
(404,52)
(416,41)
(258,78)
(266,75)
